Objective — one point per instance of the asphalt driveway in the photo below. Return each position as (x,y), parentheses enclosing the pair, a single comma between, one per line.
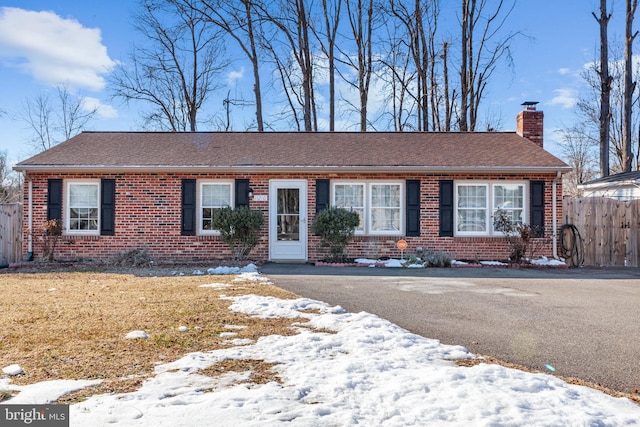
(582,322)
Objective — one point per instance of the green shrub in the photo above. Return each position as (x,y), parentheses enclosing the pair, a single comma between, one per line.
(239,228)
(335,227)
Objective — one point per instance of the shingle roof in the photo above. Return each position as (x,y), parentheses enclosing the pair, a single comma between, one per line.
(248,151)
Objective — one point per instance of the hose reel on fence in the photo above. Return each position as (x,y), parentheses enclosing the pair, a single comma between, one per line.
(571,245)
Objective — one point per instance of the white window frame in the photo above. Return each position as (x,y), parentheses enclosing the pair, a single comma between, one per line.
(361,229)
(67,207)
(199,195)
(490,206)
(366,228)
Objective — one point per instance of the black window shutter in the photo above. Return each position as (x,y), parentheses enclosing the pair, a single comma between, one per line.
(188,207)
(107,207)
(242,192)
(446,208)
(413,207)
(322,194)
(54,199)
(536,193)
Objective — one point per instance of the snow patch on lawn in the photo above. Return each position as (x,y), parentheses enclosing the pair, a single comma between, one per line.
(369,371)
(134,335)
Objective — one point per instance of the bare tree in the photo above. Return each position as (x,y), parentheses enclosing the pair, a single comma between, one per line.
(10,182)
(37,113)
(360,16)
(629,84)
(398,77)
(175,71)
(580,151)
(588,108)
(291,50)
(447,95)
(54,121)
(236,19)
(411,19)
(331,14)
(605,87)
(482,48)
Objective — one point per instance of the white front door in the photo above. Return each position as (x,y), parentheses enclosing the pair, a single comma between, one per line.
(287,220)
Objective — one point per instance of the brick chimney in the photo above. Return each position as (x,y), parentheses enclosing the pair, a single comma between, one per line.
(529,123)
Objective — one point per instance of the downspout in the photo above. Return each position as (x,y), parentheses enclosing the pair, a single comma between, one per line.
(554,211)
(30,219)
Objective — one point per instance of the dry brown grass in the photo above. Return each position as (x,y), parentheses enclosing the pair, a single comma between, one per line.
(77,331)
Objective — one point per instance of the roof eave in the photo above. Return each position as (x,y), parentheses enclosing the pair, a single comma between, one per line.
(286,169)
(608,184)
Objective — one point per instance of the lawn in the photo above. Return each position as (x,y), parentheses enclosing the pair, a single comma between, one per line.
(72,325)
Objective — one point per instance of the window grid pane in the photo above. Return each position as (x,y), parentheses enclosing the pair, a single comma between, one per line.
(213,197)
(83,207)
(350,196)
(385,207)
(509,198)
(472,208)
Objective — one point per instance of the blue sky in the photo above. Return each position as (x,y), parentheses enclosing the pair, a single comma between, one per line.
(79,42)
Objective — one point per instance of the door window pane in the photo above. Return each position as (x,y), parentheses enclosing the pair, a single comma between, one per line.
(288,217)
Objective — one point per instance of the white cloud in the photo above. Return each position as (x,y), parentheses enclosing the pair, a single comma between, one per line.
(104,111)
(566,98)
(564,71)
(233,76)
(52,49)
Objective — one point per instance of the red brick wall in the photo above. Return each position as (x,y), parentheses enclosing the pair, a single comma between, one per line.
(148,215)
(530,125)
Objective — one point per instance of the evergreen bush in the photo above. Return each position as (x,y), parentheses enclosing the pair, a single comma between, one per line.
(239,228)
(335,227)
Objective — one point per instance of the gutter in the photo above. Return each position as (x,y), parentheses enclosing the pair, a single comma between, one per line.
(29,218)
(554,213)
(286,169)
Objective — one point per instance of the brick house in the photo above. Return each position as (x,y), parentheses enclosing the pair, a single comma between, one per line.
(115,191)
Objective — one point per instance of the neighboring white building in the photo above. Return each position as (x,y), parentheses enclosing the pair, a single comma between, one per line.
(621,186)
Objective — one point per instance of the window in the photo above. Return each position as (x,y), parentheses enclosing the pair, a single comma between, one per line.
(509,198)
(472,208)
(385,208)
(350,196)
(83,207)
(379,205)
(213,196)
(477,204)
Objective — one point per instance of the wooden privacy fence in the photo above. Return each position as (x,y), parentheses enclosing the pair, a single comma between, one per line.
(609,229)
(10,233)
